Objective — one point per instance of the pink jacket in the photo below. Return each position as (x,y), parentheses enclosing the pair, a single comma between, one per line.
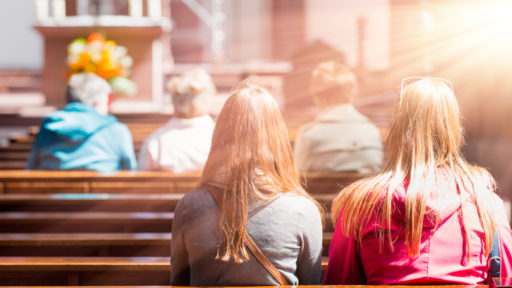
(442,255)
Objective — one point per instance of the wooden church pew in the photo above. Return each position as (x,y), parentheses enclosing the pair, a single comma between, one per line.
(40,229)
(94,222)
(93,202)
(12,164)
(85,244)
(99,244)
(25,181)
(84,222)
(94,244)
(16,154)
(88,270)
(16,181)
(81,221)
(13,155)
(328,183)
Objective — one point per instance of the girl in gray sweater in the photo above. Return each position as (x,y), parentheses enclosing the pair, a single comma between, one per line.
(250,170)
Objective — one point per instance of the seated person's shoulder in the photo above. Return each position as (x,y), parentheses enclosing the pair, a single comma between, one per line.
(160,136)
(59,116)
(499,209)
(372,130)
(157,134)
(298,205)
(118,127)
(196,199)
(304,129)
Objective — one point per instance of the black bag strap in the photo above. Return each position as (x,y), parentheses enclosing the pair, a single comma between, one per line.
(495,259)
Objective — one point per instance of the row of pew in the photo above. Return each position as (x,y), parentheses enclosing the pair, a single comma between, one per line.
(85,228)
(88,228)
(16,153)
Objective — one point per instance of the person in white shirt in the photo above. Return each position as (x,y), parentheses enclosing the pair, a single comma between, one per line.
(340,138)
(182,145)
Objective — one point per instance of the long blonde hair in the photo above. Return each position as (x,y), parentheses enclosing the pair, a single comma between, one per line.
(426,135)
(251,156)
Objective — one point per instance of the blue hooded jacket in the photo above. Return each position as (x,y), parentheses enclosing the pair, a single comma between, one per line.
(79,138)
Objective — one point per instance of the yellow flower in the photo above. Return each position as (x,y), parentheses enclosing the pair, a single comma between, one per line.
(105,56)
(109,45)
(83,60)
(90,68)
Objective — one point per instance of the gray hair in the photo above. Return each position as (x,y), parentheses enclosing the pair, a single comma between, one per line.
(87,88)
(191,93)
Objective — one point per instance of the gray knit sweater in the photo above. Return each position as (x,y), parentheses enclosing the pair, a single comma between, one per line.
(287,230)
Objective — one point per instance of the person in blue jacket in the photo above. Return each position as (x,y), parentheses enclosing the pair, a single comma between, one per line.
(83,136)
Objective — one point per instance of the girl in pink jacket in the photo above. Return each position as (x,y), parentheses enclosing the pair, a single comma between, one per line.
(428,216)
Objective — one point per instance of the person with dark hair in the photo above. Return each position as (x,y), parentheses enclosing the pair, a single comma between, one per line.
(340,138)
(83,136)
(249,199)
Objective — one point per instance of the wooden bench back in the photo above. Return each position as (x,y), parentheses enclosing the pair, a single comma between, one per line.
(28,182)
(21,181)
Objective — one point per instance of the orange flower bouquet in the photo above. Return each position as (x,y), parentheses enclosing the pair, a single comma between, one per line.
(104,58)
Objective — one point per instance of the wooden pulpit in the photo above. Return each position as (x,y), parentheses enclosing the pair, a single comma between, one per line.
(142,36)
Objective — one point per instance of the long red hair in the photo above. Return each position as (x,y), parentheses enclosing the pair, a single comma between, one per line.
(251,157)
